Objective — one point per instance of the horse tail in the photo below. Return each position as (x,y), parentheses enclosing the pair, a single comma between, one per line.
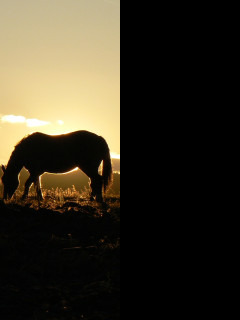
(107,166)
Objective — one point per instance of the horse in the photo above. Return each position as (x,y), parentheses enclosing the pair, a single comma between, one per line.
(40,153)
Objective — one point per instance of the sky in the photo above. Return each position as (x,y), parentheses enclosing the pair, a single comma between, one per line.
(59,69)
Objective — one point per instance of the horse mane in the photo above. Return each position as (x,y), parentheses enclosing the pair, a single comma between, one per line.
(20,143)
(16,152)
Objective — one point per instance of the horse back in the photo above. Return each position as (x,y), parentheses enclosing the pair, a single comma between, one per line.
(62,152)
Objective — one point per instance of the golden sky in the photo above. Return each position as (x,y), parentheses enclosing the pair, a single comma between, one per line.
(59,69)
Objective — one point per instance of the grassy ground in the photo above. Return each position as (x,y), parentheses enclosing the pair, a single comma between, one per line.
(60,259)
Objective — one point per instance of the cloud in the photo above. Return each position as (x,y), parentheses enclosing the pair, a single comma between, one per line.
(36,123)
(12,119)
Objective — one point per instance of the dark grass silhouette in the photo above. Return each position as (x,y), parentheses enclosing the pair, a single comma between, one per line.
(40,153)
(75,179)
(60,260)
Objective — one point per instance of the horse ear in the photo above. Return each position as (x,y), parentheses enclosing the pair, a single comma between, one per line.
(3,168)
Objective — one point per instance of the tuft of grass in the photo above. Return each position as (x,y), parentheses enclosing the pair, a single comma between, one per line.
(53,198)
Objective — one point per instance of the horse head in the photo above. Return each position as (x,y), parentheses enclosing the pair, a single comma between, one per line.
(10,183)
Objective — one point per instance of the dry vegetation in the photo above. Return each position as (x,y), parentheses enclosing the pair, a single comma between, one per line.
(60,259)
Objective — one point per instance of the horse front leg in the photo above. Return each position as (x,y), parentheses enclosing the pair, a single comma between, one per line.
(28,184)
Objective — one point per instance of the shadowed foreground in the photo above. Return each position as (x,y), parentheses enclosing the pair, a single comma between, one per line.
(60,261)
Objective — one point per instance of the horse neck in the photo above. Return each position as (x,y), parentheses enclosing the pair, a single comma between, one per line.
(15,164)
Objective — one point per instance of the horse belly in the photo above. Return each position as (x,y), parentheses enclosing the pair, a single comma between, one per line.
(54,162)
(60,166)
(59,169)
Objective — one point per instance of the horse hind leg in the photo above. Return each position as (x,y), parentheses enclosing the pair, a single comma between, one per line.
(96,186)
(96,183)
(37,183)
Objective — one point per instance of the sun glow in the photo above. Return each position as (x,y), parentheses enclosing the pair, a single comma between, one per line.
(59,70)
(115,155)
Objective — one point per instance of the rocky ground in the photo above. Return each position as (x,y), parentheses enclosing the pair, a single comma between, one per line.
(60,260)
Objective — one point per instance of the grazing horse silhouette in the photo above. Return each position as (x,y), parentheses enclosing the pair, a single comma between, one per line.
(40,153)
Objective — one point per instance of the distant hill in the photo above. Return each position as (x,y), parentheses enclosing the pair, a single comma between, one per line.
(76,178)
(116,165)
